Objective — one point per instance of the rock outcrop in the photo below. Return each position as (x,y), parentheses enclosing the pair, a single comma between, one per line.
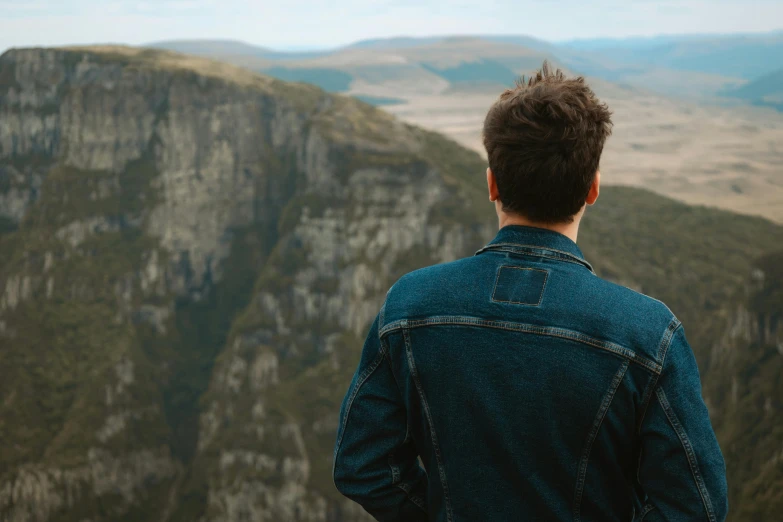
(141,185)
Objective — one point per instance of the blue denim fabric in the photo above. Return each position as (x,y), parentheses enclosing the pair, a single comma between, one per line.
(518,385)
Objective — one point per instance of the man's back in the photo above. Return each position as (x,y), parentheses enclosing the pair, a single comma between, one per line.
(528,387)
(532,390)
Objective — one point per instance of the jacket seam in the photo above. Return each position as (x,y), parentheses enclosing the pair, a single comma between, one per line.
(380,318)
(551,331)
(392,461)
(404,486)
(646,511)
(686,444)
(543,287)
(521,249)
(592,434)
(362,379)
(413,498)
(395,470)
(419,502)
(427,413)
(666,340)
(387,355)
(663,349)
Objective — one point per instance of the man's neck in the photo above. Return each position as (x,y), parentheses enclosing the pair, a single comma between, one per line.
(569,230)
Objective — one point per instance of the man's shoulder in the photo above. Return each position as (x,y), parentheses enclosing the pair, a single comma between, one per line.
(416,290)
(431,277)
(646,322)
(637,300)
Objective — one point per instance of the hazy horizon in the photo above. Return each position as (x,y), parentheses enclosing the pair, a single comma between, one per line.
(320,25)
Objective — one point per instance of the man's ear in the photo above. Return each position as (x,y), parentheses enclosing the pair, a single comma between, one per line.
(595,189)
(492,186)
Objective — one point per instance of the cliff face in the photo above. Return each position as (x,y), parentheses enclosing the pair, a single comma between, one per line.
(147,200)
(190,256)
(746,392)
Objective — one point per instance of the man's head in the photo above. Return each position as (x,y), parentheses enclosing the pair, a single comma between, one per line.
(544,140)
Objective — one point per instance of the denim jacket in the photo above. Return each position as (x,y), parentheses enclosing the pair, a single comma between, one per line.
(517,385)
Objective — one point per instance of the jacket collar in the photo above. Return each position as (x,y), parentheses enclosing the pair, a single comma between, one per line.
(531,240)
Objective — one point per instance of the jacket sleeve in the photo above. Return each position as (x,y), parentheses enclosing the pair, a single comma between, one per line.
(375,460)
(681,468)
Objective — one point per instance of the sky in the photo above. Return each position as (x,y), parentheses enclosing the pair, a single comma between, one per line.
(319,24)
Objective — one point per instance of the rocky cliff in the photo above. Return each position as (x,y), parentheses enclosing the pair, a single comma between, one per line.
(190,255)
(745,388)
(149,203)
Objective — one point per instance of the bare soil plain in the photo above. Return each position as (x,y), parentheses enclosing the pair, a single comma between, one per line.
(727,157)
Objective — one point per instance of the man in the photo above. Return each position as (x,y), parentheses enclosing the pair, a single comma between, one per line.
(530,388)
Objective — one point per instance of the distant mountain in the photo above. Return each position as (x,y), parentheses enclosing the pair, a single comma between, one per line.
(646,42)
(767,90)
(230,49)
(743,56)
(403,42)
(212,47)
(699,67)
(395,43)
(381,68)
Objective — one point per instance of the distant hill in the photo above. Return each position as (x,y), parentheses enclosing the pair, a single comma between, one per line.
(384,67)
(767,90)
(230,49)
(745,56)
(212,47)
(697,67)
(395,43)
(402,42)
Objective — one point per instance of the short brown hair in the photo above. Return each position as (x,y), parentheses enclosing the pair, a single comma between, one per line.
(544,140)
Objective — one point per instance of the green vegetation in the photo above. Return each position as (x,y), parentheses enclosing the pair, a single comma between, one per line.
(7,225)
(7,76)
(203,329)
(330,80)
(352,124)
(480,71)
(316,205)
(378,101)
(746,394)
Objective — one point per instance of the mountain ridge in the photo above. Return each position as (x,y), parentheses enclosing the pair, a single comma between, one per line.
(766,90)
